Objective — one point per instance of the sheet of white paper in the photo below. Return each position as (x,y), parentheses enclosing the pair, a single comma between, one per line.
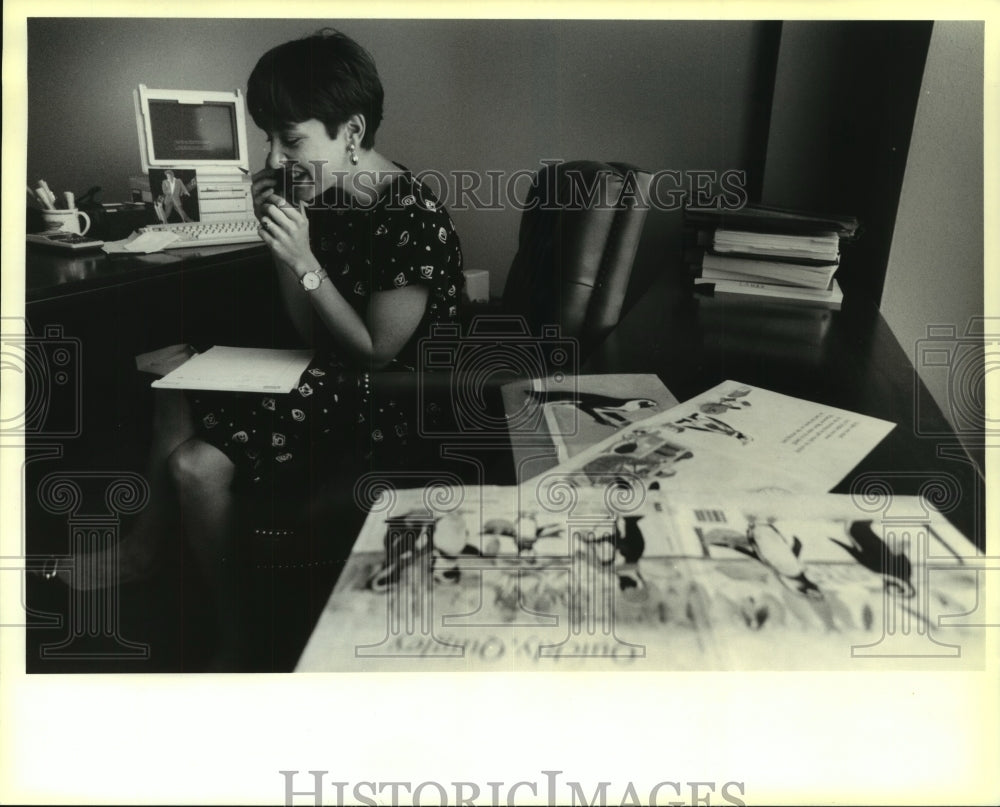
(153,241)
(240,369)
(733,436)
(498,579)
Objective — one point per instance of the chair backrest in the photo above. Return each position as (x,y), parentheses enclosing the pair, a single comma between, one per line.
(576,246)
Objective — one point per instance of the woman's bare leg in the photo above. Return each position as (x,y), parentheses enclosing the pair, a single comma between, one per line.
(203,477)
(190,495)
(135,556)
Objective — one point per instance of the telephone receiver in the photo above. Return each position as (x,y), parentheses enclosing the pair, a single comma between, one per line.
(284,186)
(289,189)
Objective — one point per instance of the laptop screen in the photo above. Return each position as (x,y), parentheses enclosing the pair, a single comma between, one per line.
(191,129)
(185,132)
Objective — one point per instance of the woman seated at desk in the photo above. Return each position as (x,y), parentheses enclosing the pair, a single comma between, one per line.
(363,269)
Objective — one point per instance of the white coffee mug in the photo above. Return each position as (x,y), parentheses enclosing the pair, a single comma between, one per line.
(66,221)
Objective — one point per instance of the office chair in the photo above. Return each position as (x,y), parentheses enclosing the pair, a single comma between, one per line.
(577,242)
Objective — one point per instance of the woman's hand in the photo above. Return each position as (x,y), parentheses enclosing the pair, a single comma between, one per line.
(285,229)
(264,184)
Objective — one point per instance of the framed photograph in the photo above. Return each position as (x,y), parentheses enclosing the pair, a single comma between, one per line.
(175,194)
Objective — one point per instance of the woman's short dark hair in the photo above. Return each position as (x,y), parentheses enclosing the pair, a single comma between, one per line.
(327,76)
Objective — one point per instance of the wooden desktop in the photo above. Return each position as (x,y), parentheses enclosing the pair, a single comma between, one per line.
(847,358)
(117,307)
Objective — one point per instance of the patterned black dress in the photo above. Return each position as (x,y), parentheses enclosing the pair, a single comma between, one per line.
(336,415)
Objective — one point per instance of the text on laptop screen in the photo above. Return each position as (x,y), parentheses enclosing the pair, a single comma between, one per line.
(185,132)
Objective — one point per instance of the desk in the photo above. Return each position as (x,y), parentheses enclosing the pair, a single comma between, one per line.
(111,308)
(848,359)
(50,274)
(501,612)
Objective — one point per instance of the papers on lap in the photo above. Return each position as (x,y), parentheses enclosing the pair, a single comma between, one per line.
(239,369)
(500,579)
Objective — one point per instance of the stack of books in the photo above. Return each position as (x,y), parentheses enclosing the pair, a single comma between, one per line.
(768,253)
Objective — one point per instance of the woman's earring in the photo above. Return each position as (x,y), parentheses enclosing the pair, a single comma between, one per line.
(354,154)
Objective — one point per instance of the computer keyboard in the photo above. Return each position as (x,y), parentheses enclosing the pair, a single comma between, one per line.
(209,233)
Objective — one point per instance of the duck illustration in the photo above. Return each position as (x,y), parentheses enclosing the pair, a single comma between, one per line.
(630,544)
(706,423)
(765,543)
(524,530)
(622,545)
(771,548)
(405,541)
(602,409)
(874,554)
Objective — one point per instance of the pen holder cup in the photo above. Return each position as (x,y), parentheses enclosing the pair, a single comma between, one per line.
(66,221)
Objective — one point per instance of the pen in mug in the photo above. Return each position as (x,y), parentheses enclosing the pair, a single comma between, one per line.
(43,198)
(70,200)
(48,193)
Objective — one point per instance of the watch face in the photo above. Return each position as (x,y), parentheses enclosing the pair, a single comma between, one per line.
(310,281)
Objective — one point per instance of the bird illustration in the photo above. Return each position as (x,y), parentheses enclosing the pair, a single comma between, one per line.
(772,549)
(525,532)
(766,544)
(602,409)
(707,423)
(630,544)
(874,554)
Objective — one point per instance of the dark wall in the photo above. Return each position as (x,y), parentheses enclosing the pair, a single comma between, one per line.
(845,94)
(460,94)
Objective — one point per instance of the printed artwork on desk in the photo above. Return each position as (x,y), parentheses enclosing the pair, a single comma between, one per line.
(735,437)
(497,579)
(175,194)
(569,414)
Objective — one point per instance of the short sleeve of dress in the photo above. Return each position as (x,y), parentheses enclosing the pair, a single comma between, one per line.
(414,241)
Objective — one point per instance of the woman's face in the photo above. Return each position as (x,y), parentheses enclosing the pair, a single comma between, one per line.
(311,155)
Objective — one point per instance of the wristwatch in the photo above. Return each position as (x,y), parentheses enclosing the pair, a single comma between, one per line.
(310,280)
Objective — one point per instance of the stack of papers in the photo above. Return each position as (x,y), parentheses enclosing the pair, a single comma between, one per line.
(819,247)
(501,579)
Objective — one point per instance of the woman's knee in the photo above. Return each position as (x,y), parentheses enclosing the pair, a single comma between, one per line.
(171,411)
(197,464)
